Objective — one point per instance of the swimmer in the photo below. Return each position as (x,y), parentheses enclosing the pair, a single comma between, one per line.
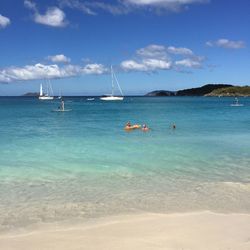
(130,127)
(128,124)
(173,126)
(145,127)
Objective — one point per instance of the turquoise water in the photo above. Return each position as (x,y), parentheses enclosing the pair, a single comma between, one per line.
(82,164)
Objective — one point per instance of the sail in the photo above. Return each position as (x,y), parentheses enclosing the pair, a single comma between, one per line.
(41,89)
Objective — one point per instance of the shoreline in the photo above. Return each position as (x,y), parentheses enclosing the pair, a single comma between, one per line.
(193,231)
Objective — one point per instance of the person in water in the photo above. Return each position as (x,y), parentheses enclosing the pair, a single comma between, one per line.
(145,127)
(62,106)
(128,124)
(173,126)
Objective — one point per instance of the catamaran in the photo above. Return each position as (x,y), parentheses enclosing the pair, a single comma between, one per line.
(46,96)
(112,97)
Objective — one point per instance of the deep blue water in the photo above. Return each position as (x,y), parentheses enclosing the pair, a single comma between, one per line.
(74,165)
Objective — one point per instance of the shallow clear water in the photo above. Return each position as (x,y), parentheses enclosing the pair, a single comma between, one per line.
(82,164)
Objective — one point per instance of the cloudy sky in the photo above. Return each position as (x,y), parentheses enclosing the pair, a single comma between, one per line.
(152,44)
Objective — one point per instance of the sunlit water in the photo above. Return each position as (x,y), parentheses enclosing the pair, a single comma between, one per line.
(81,164)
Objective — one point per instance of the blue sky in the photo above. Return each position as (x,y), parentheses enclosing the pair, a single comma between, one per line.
(152,44)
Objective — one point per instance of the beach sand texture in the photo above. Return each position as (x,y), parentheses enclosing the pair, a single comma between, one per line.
(188,231)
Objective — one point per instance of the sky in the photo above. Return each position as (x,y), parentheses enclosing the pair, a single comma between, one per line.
(152,44)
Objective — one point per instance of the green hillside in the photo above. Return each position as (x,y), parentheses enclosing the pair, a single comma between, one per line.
(231,91)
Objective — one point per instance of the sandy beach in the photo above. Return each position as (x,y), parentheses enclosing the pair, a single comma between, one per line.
(189,231)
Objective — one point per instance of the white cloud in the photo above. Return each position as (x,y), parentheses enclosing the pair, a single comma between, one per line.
(149,65)
(161,5)
(165,2)
(179,51)
(4,21)
(114,9)
(161,2)
(91,7)
(159,51)
(30,5)
(94,68)
(156,64)
(155,57)
(37,71)
(131,65)
(76,4)
(150,58)
(59,59)
(54,16)
(227,44)
(41,71)
(126,6)
(190,62)
(155,51)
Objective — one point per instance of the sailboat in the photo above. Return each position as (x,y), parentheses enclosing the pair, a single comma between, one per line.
(91,99)
(236,103)
(46,96)
(112,97)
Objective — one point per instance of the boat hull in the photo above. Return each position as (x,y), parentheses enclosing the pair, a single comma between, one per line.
(46,97)
(60,110)
(237,105)
(112,98)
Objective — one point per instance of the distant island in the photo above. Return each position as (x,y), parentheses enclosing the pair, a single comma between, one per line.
(206,90)
(161,93)
(31,94)
(201,91)
(231,91)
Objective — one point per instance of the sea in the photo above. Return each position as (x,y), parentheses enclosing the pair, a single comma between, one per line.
(70,167)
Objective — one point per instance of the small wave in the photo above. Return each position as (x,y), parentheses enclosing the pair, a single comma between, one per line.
(240,185)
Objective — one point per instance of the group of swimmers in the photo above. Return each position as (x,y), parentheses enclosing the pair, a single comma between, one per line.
(129,127)
(144,127)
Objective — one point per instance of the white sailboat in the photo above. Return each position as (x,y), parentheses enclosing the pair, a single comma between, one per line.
(112,97)
(46,96)
(236,103)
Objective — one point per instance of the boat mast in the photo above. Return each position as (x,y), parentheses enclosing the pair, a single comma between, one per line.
(112,79)
(50,89)
(47,94)
(118,84)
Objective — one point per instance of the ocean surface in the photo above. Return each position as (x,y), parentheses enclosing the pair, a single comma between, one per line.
(78,165)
